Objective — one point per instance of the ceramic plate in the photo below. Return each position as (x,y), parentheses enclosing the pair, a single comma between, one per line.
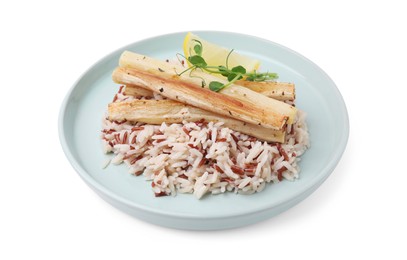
(85,106)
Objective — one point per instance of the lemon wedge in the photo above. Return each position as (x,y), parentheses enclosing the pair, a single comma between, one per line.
(216,55)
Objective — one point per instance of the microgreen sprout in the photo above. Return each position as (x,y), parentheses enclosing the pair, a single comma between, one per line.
(236,73)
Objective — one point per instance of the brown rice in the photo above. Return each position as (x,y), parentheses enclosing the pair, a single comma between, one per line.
(203,157)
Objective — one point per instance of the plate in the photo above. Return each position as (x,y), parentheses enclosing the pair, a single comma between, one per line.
(86,103)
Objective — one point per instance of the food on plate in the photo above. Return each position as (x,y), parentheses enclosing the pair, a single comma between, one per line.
(239,102)
(138,92)
(215,54)
(169,111)
(282,91)
(194,126)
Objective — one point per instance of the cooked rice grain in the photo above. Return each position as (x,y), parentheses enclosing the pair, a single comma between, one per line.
(203,157)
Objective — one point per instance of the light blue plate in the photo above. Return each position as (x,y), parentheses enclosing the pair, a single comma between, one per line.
(85,105)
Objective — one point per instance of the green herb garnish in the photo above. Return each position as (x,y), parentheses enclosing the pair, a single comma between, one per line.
(232,75)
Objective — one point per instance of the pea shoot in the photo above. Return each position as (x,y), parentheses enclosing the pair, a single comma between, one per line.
(232,75)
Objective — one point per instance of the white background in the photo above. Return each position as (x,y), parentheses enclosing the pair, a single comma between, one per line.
(48,212)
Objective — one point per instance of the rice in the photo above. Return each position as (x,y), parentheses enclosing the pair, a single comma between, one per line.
(203,157)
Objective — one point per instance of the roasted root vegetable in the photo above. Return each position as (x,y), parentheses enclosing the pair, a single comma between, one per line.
(237,107)
(138,92)
(283,91)
(170,111)
(278,90)
(234,101)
